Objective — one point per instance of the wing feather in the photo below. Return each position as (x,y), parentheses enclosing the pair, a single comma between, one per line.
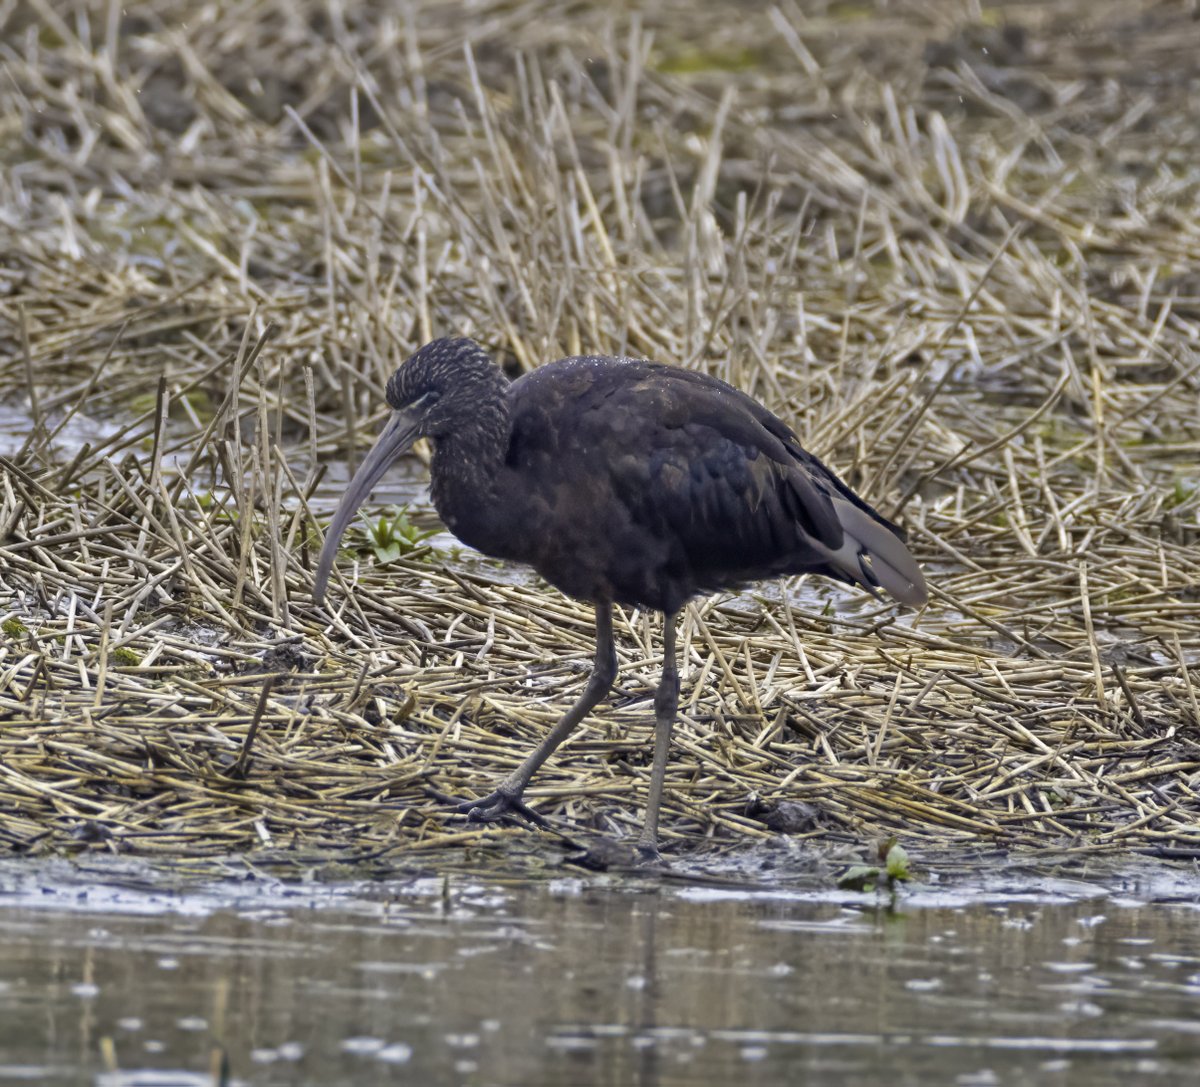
(719,482)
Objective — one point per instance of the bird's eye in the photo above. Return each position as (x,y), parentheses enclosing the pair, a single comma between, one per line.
(426,400)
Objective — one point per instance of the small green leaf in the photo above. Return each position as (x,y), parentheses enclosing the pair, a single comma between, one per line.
(861,877)
(387,553)
(897,863)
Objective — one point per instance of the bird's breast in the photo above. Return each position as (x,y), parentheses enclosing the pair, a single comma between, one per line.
(473,508)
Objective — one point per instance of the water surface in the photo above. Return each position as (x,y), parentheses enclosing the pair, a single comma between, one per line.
(1003,978)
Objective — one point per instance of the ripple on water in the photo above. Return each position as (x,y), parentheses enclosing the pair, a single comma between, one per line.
(530,982)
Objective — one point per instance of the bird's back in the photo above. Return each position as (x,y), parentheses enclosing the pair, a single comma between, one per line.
(647,484)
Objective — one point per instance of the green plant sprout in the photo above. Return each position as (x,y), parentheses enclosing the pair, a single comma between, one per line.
(891,870)
(393,536)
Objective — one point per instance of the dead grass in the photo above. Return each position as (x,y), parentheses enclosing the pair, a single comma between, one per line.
(958,252)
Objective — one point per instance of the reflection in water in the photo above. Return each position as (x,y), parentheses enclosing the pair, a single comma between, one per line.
(575,981)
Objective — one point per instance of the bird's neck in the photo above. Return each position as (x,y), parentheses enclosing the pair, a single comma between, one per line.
(467,463)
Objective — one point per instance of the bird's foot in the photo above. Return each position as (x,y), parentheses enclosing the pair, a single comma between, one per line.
(498,804)
(647,852)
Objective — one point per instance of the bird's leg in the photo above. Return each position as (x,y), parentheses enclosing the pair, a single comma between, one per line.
(666,704)
(507,795)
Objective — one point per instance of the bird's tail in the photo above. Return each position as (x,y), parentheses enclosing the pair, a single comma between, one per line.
(873,555)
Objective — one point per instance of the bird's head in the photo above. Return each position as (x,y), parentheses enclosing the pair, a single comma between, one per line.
(423,394)
(426,386)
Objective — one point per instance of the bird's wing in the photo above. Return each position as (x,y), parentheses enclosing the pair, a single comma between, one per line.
(729,480)
(707,472)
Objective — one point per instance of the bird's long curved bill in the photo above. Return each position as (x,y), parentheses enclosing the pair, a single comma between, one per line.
(397,436)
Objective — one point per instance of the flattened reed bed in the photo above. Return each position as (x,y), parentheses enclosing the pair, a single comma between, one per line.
(958,254)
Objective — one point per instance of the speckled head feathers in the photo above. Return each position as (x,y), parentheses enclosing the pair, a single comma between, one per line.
(442,366)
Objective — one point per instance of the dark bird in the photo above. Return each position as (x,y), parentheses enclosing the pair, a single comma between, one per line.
(622,481)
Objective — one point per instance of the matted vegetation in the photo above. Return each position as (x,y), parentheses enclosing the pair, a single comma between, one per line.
(954,246)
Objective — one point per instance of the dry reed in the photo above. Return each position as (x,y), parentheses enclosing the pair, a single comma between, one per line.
(956,250)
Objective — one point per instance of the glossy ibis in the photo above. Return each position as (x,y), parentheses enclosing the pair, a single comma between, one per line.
(622,481)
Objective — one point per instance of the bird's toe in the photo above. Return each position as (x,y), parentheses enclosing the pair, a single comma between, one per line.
(490,808)
(498,805)
(647,853)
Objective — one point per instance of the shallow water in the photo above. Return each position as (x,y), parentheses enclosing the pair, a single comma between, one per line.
(996,979)
(16,423)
